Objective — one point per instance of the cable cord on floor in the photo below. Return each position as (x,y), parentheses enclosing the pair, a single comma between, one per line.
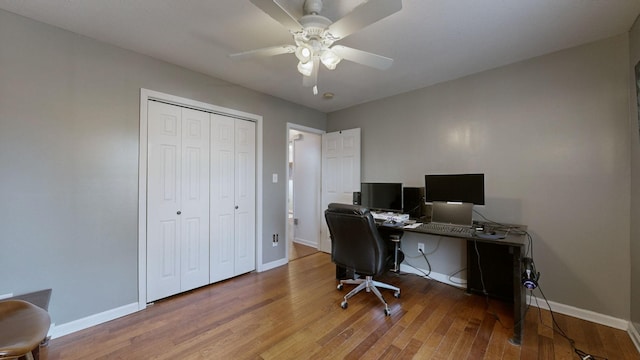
(556,328)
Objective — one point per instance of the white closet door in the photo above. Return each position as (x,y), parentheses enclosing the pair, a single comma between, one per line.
(195,199)
(177,200)
(245,195)
(222,247)
(163,200)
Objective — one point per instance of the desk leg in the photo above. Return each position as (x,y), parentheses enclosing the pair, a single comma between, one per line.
(519,296)
(396,243)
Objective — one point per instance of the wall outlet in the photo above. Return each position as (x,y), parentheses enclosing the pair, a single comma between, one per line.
(421,247)
(274,241)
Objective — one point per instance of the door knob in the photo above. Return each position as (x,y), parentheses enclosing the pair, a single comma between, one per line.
(179,212)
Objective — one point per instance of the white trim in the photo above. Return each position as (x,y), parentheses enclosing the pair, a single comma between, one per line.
(292,126)
(275,264)
(634,335)
(445,279)
(580,313)
(305,242)
(92,320)
(145,96)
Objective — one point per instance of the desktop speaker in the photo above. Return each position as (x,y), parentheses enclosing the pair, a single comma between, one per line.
(357,200)
(529,276)
(414,203)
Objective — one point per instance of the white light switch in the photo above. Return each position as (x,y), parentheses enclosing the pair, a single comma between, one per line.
(274,178)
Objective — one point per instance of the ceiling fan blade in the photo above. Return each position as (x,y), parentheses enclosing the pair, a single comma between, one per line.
(268,51)
(312,80)
(363,15)
(280,14)
(363,57)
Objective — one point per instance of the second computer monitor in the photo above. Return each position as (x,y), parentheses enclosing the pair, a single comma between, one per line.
(466,188)
(382,196)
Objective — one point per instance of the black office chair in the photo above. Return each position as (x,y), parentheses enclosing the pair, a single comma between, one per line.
(357,246)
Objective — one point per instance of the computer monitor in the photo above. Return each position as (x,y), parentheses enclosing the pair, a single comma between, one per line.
(465,188)
(382,196)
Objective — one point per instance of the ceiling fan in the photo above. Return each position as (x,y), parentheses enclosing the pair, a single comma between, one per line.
(315,34)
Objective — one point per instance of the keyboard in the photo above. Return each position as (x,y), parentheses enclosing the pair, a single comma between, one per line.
(446,229)
(390,216)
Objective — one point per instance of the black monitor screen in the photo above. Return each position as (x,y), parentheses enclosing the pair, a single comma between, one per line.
(382,196)
(466,188)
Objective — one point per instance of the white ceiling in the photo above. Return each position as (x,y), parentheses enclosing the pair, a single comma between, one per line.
(431,41)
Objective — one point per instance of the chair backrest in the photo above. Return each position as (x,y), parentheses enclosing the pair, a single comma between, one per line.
(355,241)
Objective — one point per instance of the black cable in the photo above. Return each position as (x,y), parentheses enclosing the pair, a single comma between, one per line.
(420,270)
(455,273)
(427,260)
(556,327)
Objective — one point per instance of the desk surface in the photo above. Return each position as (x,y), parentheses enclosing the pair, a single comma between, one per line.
(514,235)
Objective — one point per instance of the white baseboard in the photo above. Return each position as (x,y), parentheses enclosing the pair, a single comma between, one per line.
(273,264)
(634,335)
(92,320)
(580,313)
(305,242)
(446,279)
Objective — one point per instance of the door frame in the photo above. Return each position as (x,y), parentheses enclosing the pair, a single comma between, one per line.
(292,126)
(145,96)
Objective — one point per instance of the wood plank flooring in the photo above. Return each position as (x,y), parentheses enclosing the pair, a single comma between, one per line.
(293,312)
(297,250)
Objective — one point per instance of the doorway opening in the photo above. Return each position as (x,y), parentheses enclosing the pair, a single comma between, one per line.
(304,179)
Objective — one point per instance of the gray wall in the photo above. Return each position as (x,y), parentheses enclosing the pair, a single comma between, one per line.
(69,128)
(634,108)
(551,135)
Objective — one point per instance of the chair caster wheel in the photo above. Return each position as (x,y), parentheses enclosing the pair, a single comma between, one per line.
(396,294)
(344,305)
(387,312)
(340,286)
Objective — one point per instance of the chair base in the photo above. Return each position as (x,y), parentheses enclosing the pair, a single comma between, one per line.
(369,285)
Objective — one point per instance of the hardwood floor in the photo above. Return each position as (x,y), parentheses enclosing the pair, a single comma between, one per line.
(293,312)
(297,251)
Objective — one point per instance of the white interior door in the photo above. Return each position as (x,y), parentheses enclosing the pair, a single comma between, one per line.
(340,173)
(163,201)
(233,197)
(177,200)
(245,195)
(222,198)
(194,209)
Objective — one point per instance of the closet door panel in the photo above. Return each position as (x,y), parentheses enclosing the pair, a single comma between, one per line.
(222,238)
(245,175)
(195,199)
(163,201)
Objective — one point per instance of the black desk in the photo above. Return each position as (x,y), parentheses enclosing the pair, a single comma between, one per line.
(510,251)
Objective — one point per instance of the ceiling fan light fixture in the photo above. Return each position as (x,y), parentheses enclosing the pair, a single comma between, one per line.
(330,59)
(304,52)
(305,68)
